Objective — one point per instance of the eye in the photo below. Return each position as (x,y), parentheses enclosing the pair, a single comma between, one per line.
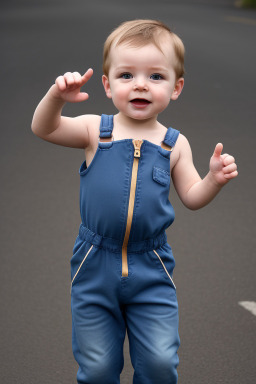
(126,75)
(156,76)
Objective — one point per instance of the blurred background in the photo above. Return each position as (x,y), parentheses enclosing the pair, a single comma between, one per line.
(214,247)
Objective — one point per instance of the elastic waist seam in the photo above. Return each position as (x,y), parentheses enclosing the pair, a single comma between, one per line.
(116,245)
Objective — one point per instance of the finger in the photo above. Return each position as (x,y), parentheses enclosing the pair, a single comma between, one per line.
(218,149)
(230,168)
(77,78)
(231,175)
(224,155)
(69,78)
(88,74)
(61,83)
(228,160)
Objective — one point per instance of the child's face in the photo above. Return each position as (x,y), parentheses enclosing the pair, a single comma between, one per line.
(142,81)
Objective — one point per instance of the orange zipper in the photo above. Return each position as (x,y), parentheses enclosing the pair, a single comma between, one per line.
(137,145)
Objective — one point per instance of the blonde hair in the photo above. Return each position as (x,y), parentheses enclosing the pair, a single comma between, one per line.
(140,32)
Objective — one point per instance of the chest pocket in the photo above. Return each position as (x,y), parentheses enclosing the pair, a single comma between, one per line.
(161,176)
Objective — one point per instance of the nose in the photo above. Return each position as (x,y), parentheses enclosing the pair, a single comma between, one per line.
(140,84)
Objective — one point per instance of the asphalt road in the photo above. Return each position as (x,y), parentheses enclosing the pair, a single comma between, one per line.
(214,247)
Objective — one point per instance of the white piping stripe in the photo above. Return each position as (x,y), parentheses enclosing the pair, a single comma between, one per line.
(165,268)
(249,305)
(80,266)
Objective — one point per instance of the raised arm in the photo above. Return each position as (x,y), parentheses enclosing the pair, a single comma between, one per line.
(47,121)
(193,191)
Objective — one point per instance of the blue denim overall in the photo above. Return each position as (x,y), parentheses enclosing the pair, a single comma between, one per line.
(122,265)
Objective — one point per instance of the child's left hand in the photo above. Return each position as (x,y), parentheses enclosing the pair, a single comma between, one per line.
(222,167)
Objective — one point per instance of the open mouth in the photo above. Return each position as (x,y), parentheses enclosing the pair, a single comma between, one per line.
(140,102)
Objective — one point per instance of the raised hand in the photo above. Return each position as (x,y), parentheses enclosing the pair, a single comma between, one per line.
(68,87)
(222,167)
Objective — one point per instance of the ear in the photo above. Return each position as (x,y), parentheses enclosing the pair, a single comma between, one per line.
(177,89)
(106,86)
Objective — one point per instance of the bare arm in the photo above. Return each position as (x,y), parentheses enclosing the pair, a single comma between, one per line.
(47,121)
(193,191)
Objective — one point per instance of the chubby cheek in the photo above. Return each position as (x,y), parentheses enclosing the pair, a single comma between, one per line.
(120,91)
(163,98)
(119,95)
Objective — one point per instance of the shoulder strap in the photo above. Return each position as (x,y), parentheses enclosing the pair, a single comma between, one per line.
(170,139)
(106,127)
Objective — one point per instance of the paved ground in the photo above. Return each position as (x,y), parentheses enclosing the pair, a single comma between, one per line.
(214,247)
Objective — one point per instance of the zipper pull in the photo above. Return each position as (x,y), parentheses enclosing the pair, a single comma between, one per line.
(137,145)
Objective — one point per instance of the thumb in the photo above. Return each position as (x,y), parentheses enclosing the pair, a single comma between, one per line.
(82,96)
(218,149)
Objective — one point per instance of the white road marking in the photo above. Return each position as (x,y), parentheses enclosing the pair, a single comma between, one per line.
(249,305)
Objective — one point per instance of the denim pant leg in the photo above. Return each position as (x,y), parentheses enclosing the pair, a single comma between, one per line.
(98,326)
(98,348)
(154,342)
(152,320)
